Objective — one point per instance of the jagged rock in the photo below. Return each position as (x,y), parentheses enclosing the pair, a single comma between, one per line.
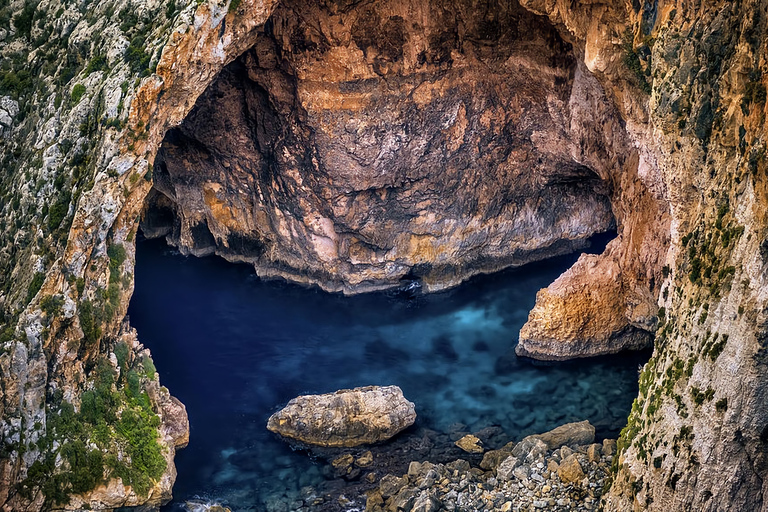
(365,460)
(391,485)
(470,444)
(570,470)
(594,451)
(375,146)
(426,502)
(505,470)
(570,434)
(609,446)
(583,313)
(493,458)
(531,449)
(346,418)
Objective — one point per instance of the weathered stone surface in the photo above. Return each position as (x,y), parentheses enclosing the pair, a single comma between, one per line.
(505,470)
(531,449)
(386,150)
(570,434)
(685,163)
(492,458)
(346,418)
(470,444)
(583,313)
(594,451)
(570,470)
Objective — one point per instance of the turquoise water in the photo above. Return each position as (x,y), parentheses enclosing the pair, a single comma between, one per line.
(235,349)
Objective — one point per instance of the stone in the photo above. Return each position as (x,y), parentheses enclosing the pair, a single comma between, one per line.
(426,502)
(594,452)
(391,485)
(492,458)
(609,447)
(505,470)
(346,418)
(374,501)
(570,434)
(470,444)
(522,472)
(570,470)
(404,500)
(204,506)
(343,462)
(365,460)
(530,450)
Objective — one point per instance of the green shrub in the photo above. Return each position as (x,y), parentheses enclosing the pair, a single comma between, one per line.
(136,56)
(34,286)
(121,353)
(149,367)
(51,305)
(77,93)
(23,20)
(721,405)
(97,63)
(88,323)
(58,211)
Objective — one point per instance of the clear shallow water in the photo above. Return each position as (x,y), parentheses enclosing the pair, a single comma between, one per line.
(234,349)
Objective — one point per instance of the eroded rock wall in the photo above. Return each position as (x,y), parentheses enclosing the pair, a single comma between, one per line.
(358,145)
(696,439)
(88,93)
(696,436)
(684,167)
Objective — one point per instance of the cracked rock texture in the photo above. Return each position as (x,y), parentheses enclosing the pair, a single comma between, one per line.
(346,418)
(356,145)
(371,142)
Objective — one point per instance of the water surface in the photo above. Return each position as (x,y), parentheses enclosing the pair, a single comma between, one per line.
(235,348)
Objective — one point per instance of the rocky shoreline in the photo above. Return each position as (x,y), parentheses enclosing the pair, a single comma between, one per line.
(561,470)
(535,479)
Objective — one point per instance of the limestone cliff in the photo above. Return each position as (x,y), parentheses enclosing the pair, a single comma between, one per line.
(355,144)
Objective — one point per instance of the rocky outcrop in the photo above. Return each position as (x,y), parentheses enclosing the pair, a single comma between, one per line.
(701,411)
(87,95)
(346,418)
(536,479)
(585,313)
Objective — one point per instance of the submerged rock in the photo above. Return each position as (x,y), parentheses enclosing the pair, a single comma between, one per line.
(470,444)
(346,418)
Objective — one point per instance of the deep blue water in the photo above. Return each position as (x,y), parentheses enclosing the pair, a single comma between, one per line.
(234,349)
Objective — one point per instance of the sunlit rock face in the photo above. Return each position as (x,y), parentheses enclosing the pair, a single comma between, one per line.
(356,145)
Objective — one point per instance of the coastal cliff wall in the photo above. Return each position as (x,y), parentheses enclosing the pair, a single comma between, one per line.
(354,145)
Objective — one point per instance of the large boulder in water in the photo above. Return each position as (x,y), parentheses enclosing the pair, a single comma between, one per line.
(346,418)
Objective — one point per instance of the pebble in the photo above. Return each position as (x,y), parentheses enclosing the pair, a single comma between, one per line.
(459,487)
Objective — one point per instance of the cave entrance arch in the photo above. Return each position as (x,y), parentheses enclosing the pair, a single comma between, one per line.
(356,145)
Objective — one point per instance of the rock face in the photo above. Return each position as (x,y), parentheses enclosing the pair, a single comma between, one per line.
(370,142)
(353,149)
(584,313)
(346,418)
